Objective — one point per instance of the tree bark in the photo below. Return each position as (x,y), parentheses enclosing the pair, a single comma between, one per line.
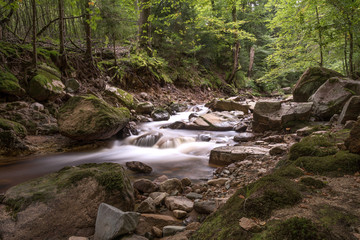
(351,51)
(88,52)
(251,61)
(320,37)
(62,37)
(236,50)
(144,25)
(34,33)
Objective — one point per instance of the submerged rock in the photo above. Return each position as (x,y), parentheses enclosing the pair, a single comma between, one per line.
(223,156)
(330,98)
(90,118)
(58,205)
(270,115)
(310,81)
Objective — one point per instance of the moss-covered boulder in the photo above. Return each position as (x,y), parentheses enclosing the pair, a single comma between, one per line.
(11,137)
(310,81)
(9,84)
(65,203)
(256,200)
(19,129)
(118,97)
(46,84)
(353,141)
(90,118)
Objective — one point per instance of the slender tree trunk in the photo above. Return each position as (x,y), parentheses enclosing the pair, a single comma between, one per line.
(144,25)
(114,48)
(251,61)
(236,50)
(62,37)
(351,52)
(345,56)
(88,52)
(34,33)
(320,38)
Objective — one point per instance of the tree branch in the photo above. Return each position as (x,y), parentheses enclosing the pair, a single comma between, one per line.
(54,20)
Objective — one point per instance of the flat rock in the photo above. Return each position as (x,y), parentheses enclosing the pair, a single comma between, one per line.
(147,206)
(247,223)
(217,181)
(148,221)
(112,222)
(138,167)
(205,207)
(223,156)
(171,185)
(244,137)
(145,186)
(171,230)
(179,214)
(194,196)
(179,203)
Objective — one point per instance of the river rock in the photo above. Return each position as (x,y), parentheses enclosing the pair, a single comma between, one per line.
(144,108)
(270,115)
(194,195)
(330,98)
(228,105)
(185,182)
(90,118)
(145,186)
(157,232)
(46,85)
(53,206)
(171,230)
(217,181)
(352,143)
(278,149)
(205,207)
(78,238)
(160,114)
(171,185)
(134,237)
(223,156)
(351,110)
(36,121)
(247,223)
(159,197)
(216,121)
(310,81)
(148,221)
(138,167)
(112,222)
(147,206)
(9,84)
(119,98)
(179,214)
(240,127)
(244,137)
(179,203)
(72,85)
(305,131)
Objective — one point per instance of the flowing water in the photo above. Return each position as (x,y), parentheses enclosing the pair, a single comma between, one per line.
(175,153)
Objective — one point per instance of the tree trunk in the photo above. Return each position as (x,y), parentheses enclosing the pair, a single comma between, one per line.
(251,61)
(62,37)
(351,52)
(320,37)
(34,33)
(236,50)
(345,56)
(144,25)
(114,48)
(88,52)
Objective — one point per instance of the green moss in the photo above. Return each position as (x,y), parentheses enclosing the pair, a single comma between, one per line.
(14,206)
(290,171)
(312,183)
(330,216)
(339,164)
(8,49)
(112,181)
(293,229)
(256,200)
(317,145)
(19,129)
(9,84)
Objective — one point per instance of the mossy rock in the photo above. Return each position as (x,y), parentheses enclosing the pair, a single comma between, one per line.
(118,97)
(19,129)
(90,118)
(339,164)
(256,200)
(310,81)
(314,145)
(9,84)
(293,229)
(65,202)
(352,143)
(290,171)
(46,84)
(312,183)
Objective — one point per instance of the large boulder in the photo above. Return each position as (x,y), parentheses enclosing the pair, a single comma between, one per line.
(352,143)
(11,135)
(223,156)
(330,98)
(270,115)
(351,110)
(160,114)
(9,84)
(118,97)
(112,222)
(228,105)
(90,118)
(46,85)
(310,81)
(65,203)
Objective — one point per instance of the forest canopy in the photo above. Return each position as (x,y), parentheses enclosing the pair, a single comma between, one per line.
(263,44)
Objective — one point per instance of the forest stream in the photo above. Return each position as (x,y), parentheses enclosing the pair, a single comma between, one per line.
(175,153)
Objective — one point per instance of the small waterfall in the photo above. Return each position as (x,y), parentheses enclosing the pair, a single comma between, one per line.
(147,140)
